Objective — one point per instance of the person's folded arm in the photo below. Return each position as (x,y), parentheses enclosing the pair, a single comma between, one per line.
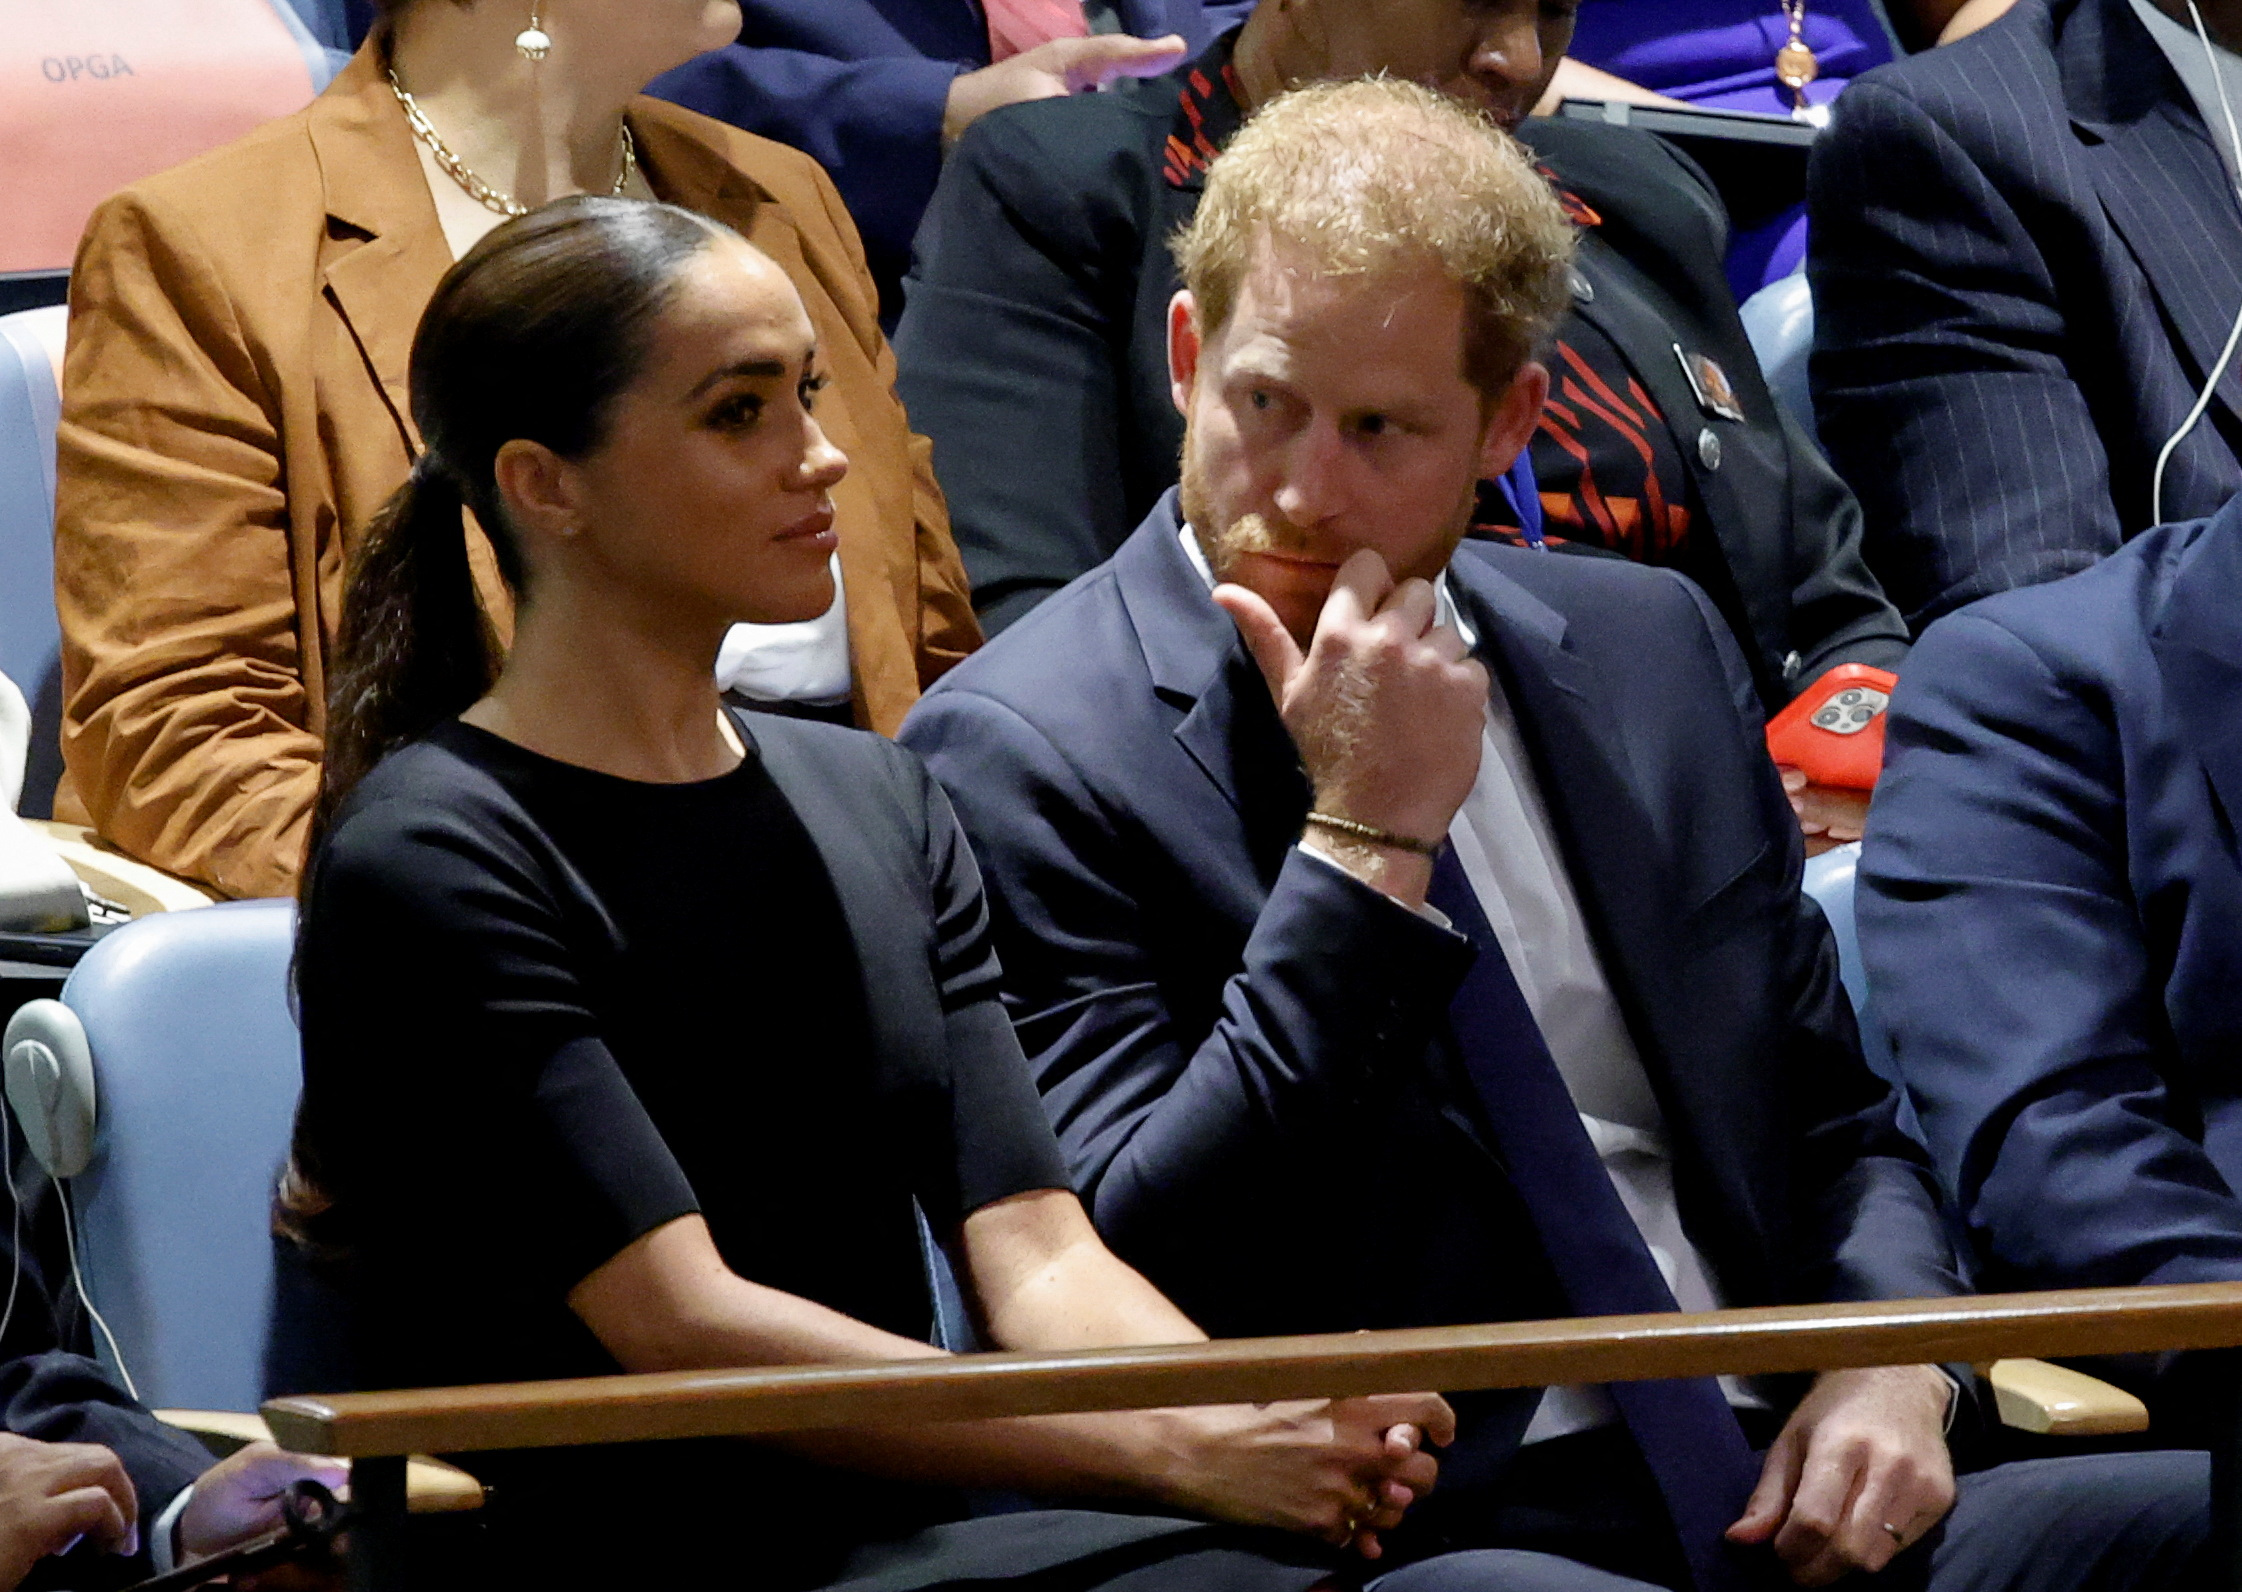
(1866,1214)
(1340,990)
(1941,372)
(2011,969)
(186,720)
(1007,352)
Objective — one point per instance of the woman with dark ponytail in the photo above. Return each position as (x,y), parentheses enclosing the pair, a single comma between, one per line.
(634,1027)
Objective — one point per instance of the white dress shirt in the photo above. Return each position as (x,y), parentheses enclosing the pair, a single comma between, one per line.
(1511,860)
(805,662)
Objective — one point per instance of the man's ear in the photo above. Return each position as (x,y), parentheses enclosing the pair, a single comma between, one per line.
(1183,349)
(538,487)
(1512,419)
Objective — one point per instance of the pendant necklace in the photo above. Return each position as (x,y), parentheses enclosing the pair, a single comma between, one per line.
(1795,65)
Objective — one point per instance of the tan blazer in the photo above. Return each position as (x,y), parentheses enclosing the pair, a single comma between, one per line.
(234,410)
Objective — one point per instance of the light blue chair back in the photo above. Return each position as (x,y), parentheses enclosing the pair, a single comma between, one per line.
(1779,320)
(321,33)
(1830,880)
(30,639)
(196,1071)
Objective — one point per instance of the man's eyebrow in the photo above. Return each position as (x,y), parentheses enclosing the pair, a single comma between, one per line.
(1260,366)
(761,368)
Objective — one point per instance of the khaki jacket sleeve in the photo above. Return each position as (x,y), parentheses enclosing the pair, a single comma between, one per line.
(188,733)
(947,629)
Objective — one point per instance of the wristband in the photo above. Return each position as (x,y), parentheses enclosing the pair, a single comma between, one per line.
(1374,835)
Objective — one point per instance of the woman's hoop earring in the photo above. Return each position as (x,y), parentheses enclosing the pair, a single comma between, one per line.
(533,42)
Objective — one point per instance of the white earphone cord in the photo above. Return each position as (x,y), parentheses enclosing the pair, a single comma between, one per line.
(78,1280)
(2234,334)
(15,1228)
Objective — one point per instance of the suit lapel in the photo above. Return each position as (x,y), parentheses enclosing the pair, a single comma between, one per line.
(1226,723)
(1624,311)
(1716,1106)
(2197,645)
(375,193)
(2153,163)
(685,169)
(1580,761)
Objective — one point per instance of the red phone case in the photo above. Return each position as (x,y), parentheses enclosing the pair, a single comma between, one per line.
(1834,731)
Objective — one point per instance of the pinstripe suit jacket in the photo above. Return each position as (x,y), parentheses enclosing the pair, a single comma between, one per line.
(2026,256)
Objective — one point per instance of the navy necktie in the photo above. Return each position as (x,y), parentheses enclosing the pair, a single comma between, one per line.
(1688,1435)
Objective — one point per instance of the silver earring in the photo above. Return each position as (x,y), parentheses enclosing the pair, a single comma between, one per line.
(533,41)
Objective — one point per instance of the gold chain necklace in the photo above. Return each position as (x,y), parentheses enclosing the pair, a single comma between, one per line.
(477,189)
(1795,63)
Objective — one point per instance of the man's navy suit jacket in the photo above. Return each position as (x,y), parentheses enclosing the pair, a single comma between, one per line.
(860,85)
(2051,911)
(1246,1052)
(2026,256)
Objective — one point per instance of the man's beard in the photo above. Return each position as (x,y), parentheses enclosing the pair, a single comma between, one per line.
(1224,545)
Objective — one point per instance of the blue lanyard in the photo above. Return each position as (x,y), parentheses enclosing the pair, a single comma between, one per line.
(1524,494)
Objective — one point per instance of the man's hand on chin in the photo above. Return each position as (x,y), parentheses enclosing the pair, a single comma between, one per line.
(1386,706)
(1860,1472)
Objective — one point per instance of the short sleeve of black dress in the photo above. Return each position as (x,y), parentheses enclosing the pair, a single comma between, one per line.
(462,1110)
(1001,1141)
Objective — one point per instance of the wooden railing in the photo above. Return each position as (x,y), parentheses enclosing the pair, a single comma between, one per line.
(376,1429)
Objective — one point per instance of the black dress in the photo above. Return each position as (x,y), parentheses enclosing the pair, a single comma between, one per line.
(547,1010)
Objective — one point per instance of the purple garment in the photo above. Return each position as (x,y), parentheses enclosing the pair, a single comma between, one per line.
(1721,53)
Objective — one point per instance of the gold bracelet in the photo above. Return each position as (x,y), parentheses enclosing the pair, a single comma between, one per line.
(1374,835)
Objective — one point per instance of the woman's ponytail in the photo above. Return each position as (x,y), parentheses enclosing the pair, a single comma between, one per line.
(415,647)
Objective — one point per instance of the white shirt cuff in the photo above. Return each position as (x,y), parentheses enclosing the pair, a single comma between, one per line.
(1430,913)
(163,1552)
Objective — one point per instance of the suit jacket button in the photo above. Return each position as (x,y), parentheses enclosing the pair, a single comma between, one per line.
(1708,448)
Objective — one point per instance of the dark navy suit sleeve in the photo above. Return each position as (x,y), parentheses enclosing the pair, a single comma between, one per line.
(1940,378)
(1006,358)
(1869,1224)
(875,125)
(1838,612)
(2007,955)
(1338,983)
